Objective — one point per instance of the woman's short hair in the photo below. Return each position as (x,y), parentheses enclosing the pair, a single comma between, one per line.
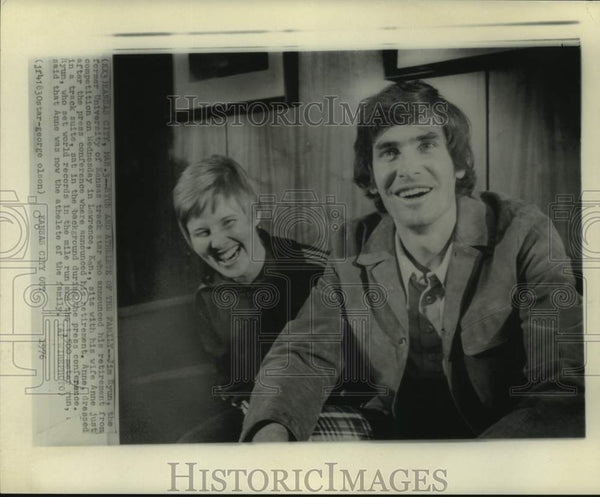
(412,102)
(201,183)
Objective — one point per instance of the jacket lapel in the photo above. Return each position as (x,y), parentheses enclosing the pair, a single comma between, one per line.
(378,256)
(470,242)
(462,263)
(387,275)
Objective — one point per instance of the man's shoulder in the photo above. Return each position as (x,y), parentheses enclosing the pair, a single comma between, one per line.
(287,251)
(503,202)
(507,218)
(354,234)
(508,209)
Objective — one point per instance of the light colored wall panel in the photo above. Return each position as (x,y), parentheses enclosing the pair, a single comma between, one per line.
(318,158)
(193,143)
(467,92)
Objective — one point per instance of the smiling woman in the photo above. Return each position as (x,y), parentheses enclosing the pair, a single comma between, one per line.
(223,238)
(213,200)
(250,289)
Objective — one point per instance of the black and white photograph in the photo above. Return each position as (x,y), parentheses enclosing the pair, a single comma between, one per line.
(388,253)
(297,247)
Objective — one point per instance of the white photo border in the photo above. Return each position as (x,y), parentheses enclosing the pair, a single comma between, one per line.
(54,28)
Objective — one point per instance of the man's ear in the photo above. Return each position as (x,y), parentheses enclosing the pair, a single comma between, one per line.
(460,174)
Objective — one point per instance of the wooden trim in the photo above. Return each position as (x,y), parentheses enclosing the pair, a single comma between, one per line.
(157,305)
(290,98)
(174,374)
(509,57)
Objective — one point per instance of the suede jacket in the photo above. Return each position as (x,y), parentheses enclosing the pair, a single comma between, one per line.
(512,328)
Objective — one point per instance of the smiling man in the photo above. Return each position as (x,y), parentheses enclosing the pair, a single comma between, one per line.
(471,338)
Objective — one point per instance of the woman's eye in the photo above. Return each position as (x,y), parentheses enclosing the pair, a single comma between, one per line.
(229,222)
(201,233)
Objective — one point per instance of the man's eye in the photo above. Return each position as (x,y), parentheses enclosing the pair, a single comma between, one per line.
(426,146)
(229,222)
(389,154)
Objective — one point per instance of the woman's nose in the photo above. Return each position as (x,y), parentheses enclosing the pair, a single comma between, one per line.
(218,240)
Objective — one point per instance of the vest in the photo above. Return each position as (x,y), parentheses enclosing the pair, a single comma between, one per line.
(425,408)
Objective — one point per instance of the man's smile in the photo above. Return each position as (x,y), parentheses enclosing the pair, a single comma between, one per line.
(412,192)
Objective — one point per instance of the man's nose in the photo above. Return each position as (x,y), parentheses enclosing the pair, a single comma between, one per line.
(408,164)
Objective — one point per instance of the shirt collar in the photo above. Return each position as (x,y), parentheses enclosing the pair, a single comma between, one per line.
(407,268)
(474,224)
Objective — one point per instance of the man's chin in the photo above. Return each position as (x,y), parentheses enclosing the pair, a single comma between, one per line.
(416,221)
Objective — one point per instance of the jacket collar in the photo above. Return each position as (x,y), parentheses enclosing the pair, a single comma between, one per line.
(472,223)
(380,244)
(471,230)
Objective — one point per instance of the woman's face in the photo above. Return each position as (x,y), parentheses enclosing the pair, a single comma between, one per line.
(225,237)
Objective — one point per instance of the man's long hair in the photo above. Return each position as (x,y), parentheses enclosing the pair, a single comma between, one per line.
(411,103)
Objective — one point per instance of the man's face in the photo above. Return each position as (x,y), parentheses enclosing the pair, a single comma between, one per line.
(223,238)
(414,175)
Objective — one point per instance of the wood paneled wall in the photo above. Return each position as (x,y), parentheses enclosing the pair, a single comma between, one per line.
(528,113)
(282,158)
(320,158)
(534,131)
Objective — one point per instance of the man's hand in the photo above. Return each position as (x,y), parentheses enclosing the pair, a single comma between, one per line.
(273,432)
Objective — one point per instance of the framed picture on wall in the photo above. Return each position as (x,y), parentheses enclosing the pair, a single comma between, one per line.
(213,84)
(415,64)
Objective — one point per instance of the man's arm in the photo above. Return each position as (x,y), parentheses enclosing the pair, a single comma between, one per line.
(272,432)
(552,404)
(301,366)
